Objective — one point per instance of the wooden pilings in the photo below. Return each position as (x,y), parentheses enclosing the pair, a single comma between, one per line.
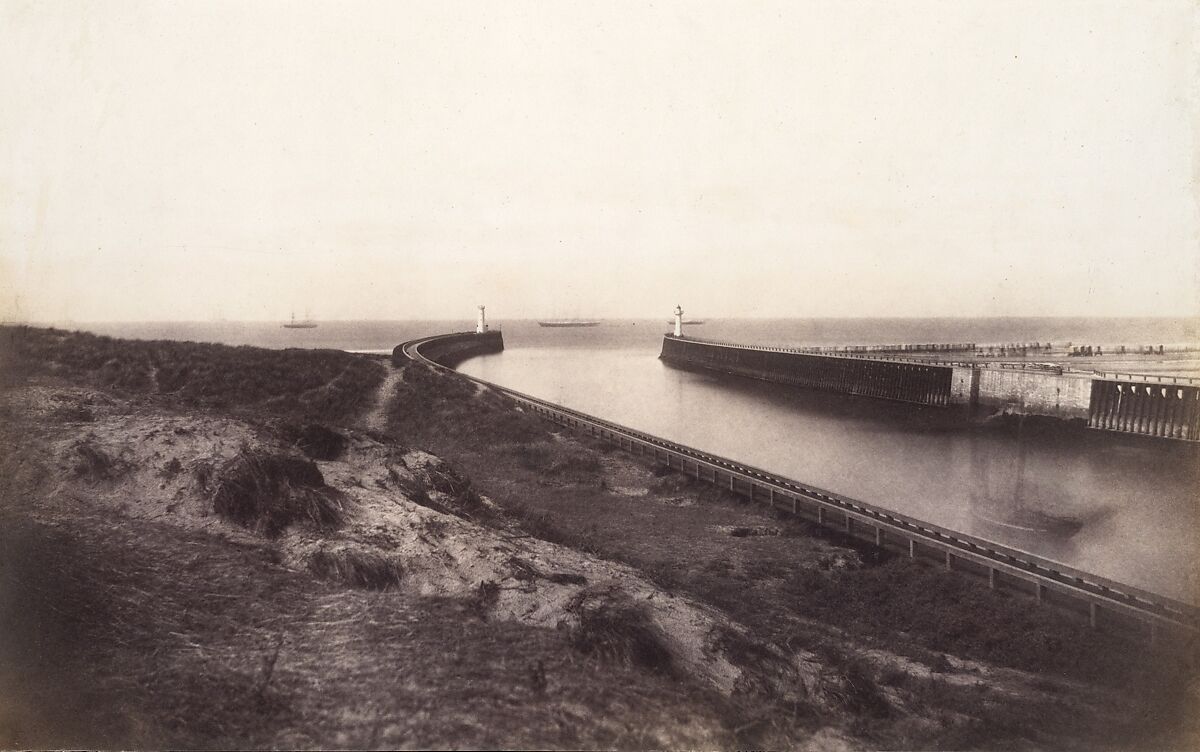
(1147,408)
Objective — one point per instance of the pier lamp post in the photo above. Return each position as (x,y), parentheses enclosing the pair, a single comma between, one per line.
(678,321)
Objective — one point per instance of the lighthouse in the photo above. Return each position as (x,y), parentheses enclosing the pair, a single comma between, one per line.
(481,323)
(678,321)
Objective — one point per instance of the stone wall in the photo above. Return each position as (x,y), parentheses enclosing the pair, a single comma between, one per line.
(1027,392)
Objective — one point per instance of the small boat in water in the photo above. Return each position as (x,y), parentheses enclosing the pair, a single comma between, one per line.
(568,322)
(306,323)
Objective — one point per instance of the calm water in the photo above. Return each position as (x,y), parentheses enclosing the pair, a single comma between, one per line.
(1134,501)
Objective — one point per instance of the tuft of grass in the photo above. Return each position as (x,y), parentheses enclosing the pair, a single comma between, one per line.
(565,578)
(894,676)
(92,462)
(75,414)
(483,599)
(320,442)
(859,693)
(463,497)
(357,568)
(544,525)
(172,468)
(555,459)
(620,632)
(267,492)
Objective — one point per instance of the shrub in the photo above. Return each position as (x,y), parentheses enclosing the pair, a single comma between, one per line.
(364,569)
(320,442)
(620,632)
(858,691)
(484,598)
(93,462)
(267,492)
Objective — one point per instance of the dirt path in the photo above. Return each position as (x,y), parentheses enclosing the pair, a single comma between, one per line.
(375,419)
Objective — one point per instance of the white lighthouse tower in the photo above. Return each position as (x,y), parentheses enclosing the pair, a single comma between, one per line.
(481,323)
(678,321)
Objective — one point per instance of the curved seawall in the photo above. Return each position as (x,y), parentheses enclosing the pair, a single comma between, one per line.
(451,349)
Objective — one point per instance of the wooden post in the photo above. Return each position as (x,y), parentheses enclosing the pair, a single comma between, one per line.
(820,515)
(849,523)
(949,565)
(1041,591)
(879,536)
(1093,614)
(731,488)
(794,501)
(697,469)
(992,578)
(771,496)
(912,548)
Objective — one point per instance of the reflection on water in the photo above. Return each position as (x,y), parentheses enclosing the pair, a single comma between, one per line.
(1122,507)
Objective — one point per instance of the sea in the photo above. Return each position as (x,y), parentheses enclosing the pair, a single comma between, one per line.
(1123,507)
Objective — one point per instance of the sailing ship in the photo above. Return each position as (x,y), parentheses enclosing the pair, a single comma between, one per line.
(305,323)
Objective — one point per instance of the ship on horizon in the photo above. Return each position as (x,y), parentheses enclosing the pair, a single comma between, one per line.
(305,323)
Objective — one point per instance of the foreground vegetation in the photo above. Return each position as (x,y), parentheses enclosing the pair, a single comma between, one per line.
(187,563)
(560,491)
(323,385)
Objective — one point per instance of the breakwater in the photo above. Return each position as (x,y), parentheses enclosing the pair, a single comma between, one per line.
(451,349)
(1160,407)
(902,381)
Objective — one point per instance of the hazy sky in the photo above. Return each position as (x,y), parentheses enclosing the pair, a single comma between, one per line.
(410,160)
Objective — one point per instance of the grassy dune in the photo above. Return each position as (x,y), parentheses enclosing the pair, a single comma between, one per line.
(324,385)
(185,562)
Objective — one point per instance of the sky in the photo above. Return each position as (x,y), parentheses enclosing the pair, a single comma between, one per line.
(203,160)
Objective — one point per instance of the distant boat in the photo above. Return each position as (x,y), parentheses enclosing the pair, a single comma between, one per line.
(689,322)
(306,323)
(568,322)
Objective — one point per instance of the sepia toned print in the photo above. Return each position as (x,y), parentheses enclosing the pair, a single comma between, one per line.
(599,376)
